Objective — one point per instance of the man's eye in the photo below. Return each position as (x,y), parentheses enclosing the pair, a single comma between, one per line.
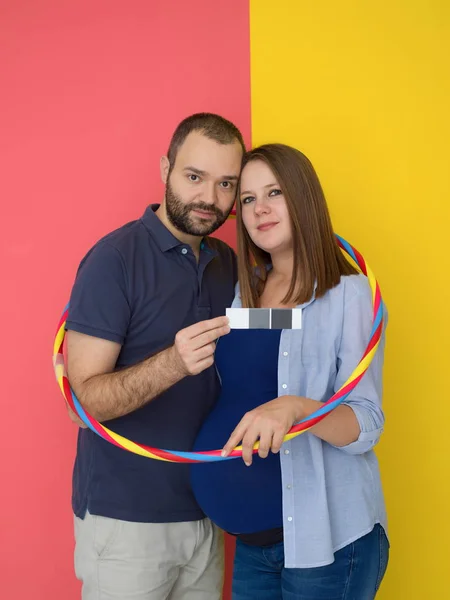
(227,185)
(193,177)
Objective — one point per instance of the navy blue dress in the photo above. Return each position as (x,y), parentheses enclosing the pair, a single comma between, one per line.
(241,499)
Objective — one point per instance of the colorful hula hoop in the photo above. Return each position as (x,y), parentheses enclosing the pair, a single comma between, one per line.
(177,456)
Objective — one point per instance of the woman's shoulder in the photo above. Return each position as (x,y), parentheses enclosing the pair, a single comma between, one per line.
(351,286)
(348,286)
(355,290)
(350,291)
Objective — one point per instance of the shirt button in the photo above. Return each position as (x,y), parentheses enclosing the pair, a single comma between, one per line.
(285,353)
(184,251)
(284,386)
(289,486)
(286,451)
(289,518)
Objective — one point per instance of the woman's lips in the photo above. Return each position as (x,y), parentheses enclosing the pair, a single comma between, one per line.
(266,226)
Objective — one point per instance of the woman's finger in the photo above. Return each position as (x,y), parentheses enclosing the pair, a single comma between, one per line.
(277,441)
(235,437)
(248,441)
(265,442)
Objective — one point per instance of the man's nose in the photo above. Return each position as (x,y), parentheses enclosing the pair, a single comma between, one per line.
(210,194)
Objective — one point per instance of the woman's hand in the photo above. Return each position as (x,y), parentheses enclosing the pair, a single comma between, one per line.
(269,423)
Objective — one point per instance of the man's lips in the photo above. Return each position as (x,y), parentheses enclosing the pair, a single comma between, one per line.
(204,213)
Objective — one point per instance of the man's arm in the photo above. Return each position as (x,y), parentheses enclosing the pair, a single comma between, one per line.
(108,394)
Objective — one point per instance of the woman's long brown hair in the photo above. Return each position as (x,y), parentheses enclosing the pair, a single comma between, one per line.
(317,257)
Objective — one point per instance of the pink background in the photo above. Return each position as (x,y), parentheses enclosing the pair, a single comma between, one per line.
(90,95)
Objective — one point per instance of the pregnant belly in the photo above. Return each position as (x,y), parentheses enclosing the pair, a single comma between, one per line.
(237,498)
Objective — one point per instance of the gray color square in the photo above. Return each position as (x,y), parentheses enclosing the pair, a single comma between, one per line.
(281,318)
(259,318)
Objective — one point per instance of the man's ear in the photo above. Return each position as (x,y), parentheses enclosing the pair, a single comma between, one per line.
(164,166)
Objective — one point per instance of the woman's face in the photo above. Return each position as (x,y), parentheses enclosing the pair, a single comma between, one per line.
(264,210)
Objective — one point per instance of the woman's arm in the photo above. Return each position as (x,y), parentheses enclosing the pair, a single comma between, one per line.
(270,422)
(366,399)
(339,428)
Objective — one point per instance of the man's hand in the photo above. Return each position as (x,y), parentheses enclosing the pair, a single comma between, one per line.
(269,423)
(193,350)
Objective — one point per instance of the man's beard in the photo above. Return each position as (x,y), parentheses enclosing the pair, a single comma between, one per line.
(179,215)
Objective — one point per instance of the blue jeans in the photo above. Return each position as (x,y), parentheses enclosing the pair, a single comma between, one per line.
(355,574)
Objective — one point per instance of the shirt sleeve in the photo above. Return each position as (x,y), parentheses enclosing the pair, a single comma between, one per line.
(366,398)
(99,302)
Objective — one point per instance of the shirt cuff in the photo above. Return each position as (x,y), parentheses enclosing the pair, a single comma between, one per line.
(370,432)
(103,334)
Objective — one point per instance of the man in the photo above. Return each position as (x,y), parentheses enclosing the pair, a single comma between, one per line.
(146,308)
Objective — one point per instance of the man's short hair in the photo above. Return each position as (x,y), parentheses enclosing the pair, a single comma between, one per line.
(211,126)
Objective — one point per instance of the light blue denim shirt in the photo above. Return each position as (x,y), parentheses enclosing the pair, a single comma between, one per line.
(331,496)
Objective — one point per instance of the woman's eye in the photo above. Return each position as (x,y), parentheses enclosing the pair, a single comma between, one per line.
(247,200)
(275,192)
(193,177)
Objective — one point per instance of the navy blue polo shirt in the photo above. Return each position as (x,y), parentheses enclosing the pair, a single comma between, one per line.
(139,286)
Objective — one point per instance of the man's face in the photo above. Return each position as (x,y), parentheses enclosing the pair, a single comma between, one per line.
(201,188)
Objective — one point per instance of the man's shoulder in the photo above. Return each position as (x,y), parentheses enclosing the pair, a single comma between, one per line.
(115,249)
(123,236)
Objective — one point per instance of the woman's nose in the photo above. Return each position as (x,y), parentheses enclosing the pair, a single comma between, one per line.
(261,207)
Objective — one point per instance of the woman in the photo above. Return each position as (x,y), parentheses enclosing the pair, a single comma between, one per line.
(310,520)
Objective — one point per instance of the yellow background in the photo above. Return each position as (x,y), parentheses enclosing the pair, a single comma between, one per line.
(363,90)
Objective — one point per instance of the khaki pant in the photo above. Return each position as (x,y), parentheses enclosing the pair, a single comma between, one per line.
(121,560)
